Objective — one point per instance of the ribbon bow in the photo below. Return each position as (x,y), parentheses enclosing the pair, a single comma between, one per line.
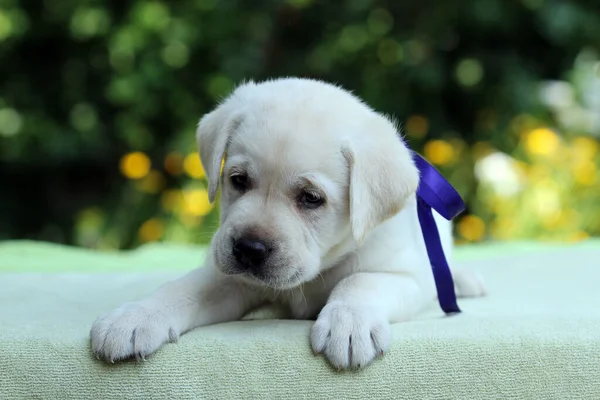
(435,192)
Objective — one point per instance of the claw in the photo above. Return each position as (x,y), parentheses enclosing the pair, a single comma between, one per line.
(173,337)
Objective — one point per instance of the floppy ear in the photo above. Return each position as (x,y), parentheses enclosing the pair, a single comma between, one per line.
(212,137)
(382,177)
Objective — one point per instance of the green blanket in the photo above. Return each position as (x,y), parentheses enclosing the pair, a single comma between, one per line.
(537,334)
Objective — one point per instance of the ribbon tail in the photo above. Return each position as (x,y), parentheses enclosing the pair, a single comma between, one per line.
(441,271)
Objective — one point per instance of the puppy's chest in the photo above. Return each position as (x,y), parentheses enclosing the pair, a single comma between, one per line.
(305,302)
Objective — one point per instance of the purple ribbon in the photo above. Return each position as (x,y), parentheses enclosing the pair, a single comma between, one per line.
(435,192)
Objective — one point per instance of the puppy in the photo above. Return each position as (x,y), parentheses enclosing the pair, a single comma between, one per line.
(318,213)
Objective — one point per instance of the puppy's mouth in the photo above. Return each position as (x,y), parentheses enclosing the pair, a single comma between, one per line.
(264,279)
(258,262)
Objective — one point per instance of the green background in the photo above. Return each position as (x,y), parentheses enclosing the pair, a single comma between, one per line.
(99,102)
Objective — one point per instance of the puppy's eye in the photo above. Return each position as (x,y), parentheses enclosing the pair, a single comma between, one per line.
(239,182)
(311,200)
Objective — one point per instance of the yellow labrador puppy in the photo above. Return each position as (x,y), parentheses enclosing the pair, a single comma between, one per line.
(318,212)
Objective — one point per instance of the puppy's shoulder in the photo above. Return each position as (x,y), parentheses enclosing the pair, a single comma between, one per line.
(396,245)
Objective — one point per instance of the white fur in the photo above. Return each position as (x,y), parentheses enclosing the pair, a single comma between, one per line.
(358,262)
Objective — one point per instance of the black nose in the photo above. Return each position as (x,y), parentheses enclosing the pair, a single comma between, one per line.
(250,253)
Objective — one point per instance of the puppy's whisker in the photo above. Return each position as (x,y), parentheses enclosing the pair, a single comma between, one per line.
(265,293)
(204,235)
(301,289)
(322,279)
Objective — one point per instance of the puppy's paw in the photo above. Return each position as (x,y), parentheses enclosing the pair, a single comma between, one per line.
(133,329)
(468,283)
(349,336)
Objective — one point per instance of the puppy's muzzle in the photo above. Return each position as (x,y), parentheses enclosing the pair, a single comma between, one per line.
(250,253)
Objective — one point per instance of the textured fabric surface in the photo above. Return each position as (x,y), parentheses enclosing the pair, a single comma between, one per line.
(537,334)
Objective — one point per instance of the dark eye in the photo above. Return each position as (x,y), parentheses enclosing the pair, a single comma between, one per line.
(311,200)
(239,182)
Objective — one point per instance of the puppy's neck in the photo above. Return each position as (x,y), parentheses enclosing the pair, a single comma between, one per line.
(339,252)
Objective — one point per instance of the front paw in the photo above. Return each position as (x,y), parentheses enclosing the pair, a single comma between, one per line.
(349,336)
(133,329)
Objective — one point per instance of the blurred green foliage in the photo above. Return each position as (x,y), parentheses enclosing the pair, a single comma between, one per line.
(99,101)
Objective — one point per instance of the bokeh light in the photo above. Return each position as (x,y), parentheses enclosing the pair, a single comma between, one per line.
(517,135)
(439,152)
(174,163)
(542,141)
(417,126)
(469,72)
(10,122)
(151,230)
(153,182)
(135,165)
(471,228)
(196,202)
(193,166)
(172,200)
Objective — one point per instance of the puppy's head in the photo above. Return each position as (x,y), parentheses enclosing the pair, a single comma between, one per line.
(306,172)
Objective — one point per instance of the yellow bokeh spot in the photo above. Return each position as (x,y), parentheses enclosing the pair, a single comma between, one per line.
(190,220)
(521,167)
(542,141)
(538,172)
(544,198)
(523,123)
(135,165)
(578,236)
(472,228)
(196,202)
(439,152)
(585,148)
(482,149)
(193,166)
(459,147)
(503,228)
(152,183)
(151,230)
(173,163)
(585,173)
(91,218)
(554,220)
(172,200)
(417,126)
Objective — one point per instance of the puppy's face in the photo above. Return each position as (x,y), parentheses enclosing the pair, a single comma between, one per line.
(300,189)
(284,204)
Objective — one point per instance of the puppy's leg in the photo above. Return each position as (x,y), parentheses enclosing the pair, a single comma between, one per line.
(202,297)
(354,325)
(468,283)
